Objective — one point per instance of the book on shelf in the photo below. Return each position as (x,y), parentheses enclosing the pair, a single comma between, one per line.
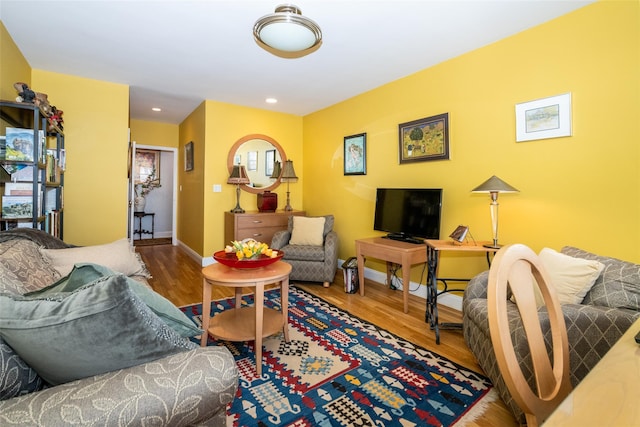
(14,207)
(3,146)
(19,144)
(18,189)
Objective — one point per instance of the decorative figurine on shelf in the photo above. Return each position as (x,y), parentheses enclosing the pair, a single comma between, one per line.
(56,119)
(25,94)
(143,189)
(42,101)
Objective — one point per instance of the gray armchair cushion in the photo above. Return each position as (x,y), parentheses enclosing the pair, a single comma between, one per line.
(23,268)
(618,285)
(99,328)
(16,377)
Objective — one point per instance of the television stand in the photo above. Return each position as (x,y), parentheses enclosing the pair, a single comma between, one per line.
(404,238)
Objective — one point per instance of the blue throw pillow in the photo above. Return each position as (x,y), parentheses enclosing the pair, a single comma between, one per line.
(86,273)
(100,327)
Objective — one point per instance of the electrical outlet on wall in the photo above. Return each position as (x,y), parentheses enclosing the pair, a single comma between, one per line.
(217,188)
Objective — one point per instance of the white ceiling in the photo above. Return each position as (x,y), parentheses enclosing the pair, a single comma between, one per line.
(174,54)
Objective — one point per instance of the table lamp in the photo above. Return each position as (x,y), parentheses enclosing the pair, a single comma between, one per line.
(493,186)
(288,175)
(238,176)
(276,170)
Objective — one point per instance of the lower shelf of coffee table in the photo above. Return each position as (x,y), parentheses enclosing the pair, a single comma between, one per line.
(239,324)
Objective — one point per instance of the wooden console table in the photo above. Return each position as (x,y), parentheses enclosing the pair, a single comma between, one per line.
(434,247)
(393,252)
(246,323)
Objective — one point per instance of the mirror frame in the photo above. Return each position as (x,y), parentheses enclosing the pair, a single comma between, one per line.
(234,149)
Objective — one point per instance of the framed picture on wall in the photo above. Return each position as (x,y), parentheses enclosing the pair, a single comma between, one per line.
(544,118)
(188,156)
(355,154)
(147,163)
(424,139)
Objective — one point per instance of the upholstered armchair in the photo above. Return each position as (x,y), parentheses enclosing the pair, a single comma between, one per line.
(311,247)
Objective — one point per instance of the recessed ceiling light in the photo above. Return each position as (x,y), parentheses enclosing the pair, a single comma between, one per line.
(271,100)
(156,109)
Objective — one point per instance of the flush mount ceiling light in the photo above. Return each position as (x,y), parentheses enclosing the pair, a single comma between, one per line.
(287,33)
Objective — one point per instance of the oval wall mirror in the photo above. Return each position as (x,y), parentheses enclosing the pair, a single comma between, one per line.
(258,154)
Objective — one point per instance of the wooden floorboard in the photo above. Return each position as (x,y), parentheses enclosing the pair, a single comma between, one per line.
(178,278)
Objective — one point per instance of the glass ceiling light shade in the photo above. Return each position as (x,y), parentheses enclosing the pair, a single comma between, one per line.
(286,32)
(238,177)
(288,175)
(493,186)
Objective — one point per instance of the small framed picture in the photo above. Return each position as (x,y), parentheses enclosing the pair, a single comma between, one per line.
(544,118)
(424,139)
(147,163)
(188,156)
(355,154)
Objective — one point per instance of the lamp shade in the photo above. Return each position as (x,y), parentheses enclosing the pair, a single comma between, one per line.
(276,170)
(287,30)
(238,176)
(288,174)
(494,185)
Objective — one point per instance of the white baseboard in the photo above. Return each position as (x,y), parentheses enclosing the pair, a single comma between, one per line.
(450,300)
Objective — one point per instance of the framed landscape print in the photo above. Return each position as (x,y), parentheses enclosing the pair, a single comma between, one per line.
(544,118)
(424,139)
(355,154)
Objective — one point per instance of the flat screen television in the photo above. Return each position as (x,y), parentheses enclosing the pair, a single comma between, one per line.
(408,213)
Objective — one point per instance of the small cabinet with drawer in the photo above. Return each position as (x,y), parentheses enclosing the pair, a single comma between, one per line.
(260,226)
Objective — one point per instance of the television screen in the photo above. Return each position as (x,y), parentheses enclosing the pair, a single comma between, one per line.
(407,213)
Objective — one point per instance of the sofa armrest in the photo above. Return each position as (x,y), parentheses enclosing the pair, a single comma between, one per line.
(477,286)
(179,390)
(331,249)
(280,239)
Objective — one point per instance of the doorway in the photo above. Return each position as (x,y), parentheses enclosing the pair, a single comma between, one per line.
(159,218)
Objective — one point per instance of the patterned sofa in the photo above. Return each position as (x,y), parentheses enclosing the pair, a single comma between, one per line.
(165,379)
(606,312)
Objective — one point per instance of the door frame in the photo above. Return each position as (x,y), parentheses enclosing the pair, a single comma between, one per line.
(174,192)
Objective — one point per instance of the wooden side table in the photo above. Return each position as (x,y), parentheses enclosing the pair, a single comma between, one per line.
(434,247)
(246,323)
(393,252)
(140,231)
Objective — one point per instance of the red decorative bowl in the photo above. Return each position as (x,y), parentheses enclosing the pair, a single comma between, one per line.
(230,260)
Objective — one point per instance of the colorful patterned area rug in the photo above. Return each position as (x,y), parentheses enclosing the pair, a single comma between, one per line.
(339,370)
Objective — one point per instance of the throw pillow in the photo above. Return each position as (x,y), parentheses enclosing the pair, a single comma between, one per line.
(307,231)
(118,256)
(21,260)
(571,277)
(83,274)
(16,377)
(619,284)
(99,328)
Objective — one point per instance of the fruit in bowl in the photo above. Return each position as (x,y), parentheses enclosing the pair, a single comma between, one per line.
(250,249)
(247,254)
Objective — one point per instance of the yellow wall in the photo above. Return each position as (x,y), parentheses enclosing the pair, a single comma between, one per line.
(582,190)
(96,122)
(225,124)
(190,198)
(13,67)
(145,132)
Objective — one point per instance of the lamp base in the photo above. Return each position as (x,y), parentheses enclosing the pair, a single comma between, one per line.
(237,209)
(492,246)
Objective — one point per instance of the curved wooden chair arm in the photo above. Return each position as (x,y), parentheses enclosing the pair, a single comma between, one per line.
(515,267)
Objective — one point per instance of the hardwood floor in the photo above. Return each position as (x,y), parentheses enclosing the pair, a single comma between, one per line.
(178,278)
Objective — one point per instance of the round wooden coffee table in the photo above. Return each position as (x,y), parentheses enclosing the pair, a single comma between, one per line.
(246,323)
